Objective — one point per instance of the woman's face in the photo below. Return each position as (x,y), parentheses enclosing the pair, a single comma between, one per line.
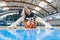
(27,11)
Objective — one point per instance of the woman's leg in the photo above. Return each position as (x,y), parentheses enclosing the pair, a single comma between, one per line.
(34,24)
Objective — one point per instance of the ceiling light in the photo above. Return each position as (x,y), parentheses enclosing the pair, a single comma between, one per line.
(37,8)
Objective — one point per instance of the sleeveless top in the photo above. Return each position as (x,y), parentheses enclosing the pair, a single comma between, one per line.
(32,17)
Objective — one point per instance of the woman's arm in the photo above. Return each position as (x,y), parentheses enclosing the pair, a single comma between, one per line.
(24,22)
(35,23)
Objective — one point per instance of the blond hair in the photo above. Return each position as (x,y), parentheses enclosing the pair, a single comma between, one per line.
(23,12)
